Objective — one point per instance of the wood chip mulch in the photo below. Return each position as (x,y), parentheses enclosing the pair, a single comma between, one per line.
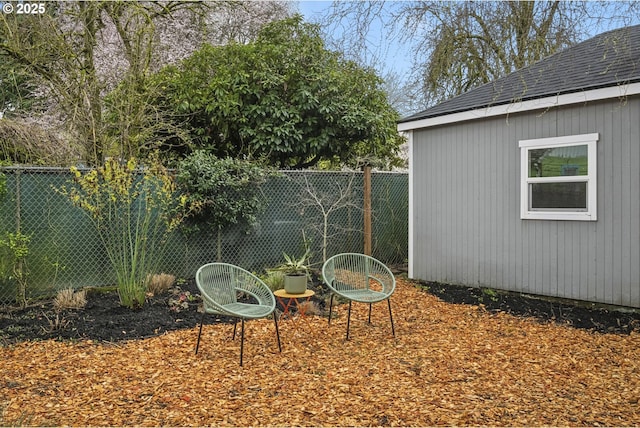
(448,365)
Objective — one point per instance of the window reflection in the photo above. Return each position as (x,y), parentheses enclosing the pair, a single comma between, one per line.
(558,161)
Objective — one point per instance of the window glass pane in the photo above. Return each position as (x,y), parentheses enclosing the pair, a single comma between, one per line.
(558,196)
(559,161)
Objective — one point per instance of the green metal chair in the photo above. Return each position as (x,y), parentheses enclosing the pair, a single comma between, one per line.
(221,284)
(359,278)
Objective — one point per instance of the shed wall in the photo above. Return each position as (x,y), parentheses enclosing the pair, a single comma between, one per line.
(465,216)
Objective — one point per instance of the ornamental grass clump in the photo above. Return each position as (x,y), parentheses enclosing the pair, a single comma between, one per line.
(133,209)
(68,298)
(160,283)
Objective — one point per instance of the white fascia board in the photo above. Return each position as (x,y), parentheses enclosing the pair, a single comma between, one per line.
(412,257)
(620,91)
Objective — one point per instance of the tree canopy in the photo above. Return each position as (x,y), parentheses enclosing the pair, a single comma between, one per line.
(284,98)
(220,192)
(457,46)
(74,53)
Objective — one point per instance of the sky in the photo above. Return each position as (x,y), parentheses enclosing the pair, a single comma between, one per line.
(311,8)
(395,57)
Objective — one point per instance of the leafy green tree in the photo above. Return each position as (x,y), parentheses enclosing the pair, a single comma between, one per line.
(284,98)
(220,192)
(73,53)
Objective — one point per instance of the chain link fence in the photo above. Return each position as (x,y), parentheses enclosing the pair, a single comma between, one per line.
(322,209)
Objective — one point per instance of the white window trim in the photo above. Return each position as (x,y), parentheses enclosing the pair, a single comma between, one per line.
(570,140)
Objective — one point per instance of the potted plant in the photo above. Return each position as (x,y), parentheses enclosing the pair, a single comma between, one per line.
(296,273)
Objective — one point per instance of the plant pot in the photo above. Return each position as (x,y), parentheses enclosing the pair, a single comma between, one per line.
(295,284)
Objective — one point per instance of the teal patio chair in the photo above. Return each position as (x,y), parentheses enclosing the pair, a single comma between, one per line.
(221,284)
(359,278)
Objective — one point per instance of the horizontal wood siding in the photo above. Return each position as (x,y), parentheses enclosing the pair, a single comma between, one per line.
(466,218)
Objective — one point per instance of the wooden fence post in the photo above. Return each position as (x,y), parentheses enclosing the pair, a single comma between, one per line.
(367,210)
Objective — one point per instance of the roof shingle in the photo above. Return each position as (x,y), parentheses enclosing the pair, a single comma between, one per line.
(608,59)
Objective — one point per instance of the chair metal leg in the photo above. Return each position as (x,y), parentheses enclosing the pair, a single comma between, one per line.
(330,308)
(275,319)
(235,325)
(200,332)
(348,319)
(393,330)
(370,312)
(241,341)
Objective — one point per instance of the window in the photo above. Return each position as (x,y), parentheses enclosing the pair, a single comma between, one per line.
(558,178)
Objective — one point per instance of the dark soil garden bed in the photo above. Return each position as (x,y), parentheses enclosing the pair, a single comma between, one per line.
(582,315)
(103,319)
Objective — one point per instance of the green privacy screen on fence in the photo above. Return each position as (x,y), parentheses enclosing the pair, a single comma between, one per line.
(325,208)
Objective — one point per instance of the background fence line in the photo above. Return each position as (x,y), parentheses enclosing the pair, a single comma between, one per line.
(64,249)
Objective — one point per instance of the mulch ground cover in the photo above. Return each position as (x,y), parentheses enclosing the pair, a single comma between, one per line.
(460,357)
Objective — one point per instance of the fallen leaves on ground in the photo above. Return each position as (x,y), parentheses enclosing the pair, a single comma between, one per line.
(448,365)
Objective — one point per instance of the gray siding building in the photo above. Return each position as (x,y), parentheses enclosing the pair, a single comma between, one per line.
(532,183)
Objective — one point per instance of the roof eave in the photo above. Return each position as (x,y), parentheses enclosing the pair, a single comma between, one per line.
(549,101)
